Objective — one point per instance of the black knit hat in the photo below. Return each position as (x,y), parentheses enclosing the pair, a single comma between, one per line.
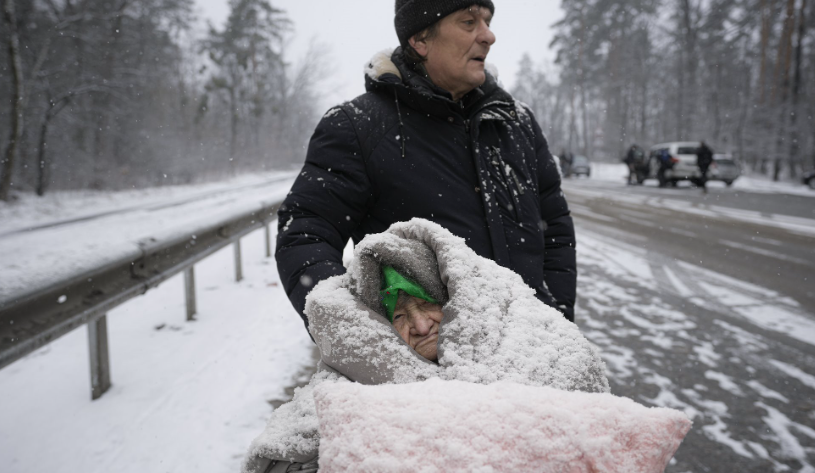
(413,16)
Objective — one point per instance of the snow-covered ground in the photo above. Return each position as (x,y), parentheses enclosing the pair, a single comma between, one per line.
(186,396)
(60,206)
(49,239)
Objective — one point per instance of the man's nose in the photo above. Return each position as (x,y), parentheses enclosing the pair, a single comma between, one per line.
(420,324)
(486,36)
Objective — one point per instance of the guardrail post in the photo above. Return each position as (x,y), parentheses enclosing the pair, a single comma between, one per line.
(268,241)
(238,262)
(100,359)
(189,292)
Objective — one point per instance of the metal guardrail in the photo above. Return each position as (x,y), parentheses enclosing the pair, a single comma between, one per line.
(33,320)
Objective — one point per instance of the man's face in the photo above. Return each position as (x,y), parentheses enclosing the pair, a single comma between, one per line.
(417,322)
(456,56)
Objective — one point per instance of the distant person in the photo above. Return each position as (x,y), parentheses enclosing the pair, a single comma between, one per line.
(633,158)
(567,159)
(665,163)
(435,137)
(704,158)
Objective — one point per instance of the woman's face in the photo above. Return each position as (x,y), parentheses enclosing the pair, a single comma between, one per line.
(417,322)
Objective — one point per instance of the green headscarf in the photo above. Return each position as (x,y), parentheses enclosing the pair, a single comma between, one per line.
(392,283)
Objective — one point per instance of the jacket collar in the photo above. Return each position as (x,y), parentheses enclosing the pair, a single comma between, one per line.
(388,71)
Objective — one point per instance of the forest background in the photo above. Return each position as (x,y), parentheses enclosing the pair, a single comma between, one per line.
(112,94)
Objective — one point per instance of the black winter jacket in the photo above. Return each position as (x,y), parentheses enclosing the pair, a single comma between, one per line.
(480,167)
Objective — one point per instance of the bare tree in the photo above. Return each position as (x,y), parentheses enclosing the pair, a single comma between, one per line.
(731,72)
(795,146)
(111,94)
(18,98)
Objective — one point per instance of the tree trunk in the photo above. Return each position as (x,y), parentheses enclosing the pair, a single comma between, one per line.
(717,117)
(689,66)
(796,87)
(16,132)
(624,138)
(680,106)
(785,52)
(572,122)
(644,138)
(783,82)
(103,150)
(580,62)
(745,110)
(43,166)
(765,40)
(233,136)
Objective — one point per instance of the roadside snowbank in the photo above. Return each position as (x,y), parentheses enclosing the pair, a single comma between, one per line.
(110,227)
(186,396)
(30,210)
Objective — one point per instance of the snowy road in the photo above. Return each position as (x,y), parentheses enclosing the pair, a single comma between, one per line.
(702,305)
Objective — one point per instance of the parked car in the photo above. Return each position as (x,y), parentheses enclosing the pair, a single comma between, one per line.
(683,154)
(809,179)
(724,168)
(581,166)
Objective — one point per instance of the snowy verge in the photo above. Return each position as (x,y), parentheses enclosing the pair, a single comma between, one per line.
(36,260)
(29,210)
(186,396)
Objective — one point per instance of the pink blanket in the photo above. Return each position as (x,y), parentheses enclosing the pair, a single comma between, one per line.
(452,426)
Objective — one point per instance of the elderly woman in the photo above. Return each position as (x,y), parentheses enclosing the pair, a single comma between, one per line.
(418,303)
(414,313)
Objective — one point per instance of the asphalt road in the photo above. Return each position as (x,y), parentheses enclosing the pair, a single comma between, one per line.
(706,303)
(755,251)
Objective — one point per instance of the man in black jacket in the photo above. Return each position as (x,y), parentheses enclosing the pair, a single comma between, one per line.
(704,158)
(434,137)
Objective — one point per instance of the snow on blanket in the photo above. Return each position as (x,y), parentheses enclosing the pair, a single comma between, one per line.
(494,328)
(455,426)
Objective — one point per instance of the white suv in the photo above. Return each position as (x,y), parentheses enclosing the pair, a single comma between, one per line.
(683,154)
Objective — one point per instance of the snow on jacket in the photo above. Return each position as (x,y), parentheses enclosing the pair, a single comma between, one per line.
(494,328)
(480,168)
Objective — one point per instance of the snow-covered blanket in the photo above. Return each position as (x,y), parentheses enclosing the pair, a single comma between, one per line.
(452,426)
(494,329)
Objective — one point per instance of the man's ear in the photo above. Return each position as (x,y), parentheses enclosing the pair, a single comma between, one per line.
(421,47)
